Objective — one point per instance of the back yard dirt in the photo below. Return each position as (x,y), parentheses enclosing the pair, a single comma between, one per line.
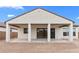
(39,47)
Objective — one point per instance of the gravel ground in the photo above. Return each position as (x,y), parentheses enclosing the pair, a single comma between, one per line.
(39,47)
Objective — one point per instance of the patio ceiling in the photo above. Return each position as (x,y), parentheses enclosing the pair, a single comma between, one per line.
(53,25)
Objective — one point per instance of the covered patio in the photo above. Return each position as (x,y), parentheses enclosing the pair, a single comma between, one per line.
(33,34)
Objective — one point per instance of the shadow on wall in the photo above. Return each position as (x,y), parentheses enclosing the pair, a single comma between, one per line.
(3,35)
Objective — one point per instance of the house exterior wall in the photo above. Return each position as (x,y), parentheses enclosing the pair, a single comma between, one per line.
(34,30)
(58,32)
(67,30)
(21,35)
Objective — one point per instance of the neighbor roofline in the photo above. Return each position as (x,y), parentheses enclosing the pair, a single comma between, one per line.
(3,26)
(42,9)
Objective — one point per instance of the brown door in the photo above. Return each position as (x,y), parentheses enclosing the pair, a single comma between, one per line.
(41,32)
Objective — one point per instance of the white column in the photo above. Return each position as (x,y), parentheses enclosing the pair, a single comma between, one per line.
(48,32)
(7,32)
(76,32)
(29,32)
(71,32)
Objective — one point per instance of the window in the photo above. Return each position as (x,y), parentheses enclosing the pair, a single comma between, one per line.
(74,34)
(25,30)
(65,33)
(10,30)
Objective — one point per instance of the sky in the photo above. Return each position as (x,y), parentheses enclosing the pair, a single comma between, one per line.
(71,12)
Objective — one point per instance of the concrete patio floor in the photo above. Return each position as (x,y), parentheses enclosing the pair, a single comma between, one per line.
(38,47)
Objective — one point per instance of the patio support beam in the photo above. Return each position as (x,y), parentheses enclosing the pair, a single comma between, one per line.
(29,32)
(7,32)
(48,32)
(71,32)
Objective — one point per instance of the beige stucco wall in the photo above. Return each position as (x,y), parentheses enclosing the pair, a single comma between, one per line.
(21,35)
(67,30)
(39,16)
(34,29)
(58,32)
